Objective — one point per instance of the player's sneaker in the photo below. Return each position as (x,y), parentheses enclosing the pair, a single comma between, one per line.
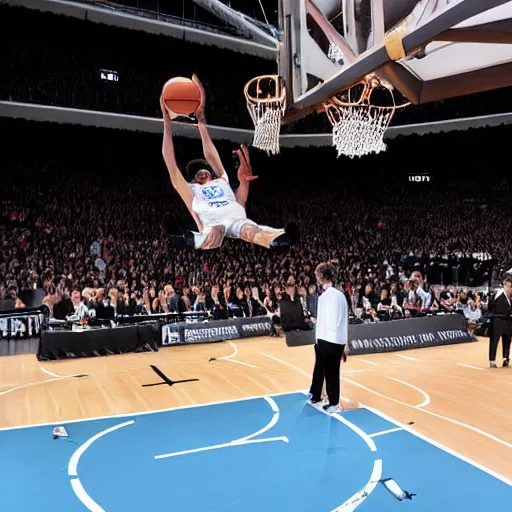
(292,230)
(290,237)
(492,364)
(171,225)
(312,401)
(178,239)
(281,243)
(330,409)
(184,241)
(506,363)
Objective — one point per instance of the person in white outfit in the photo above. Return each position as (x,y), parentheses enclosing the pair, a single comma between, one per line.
(207,193)
(331,340)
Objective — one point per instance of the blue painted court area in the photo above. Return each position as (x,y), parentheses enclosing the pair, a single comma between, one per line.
(262,454)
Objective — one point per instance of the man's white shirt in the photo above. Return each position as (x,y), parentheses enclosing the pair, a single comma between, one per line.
(332,317)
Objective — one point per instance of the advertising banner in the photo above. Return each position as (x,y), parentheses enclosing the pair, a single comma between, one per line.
(430,331)
(20,330)
(217,330)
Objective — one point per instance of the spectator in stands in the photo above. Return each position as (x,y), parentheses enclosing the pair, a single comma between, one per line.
(200,302)
(82,308)
(173,301)
(472,312)
(384,307)
(312,302)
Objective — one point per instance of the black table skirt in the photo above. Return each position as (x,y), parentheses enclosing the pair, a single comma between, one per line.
(99,342)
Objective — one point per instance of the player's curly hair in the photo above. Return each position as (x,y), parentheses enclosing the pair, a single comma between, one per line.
(195,166)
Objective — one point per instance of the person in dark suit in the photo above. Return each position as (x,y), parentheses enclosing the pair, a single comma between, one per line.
(500,307)
(292,312)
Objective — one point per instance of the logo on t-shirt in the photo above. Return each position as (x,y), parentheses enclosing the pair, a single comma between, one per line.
(217,204)
(212,192)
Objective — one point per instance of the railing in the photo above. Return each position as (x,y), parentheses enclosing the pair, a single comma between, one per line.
(161,16)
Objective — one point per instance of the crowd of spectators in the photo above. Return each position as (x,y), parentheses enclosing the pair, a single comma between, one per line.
(82,210)
(56,60)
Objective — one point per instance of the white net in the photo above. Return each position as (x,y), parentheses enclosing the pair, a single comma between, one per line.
(358,130)
(267,125)
(266,102)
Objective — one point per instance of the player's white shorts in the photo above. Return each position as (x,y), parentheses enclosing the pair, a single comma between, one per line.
(231,216)
(215,204)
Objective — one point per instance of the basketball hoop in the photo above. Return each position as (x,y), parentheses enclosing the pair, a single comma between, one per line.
(266,102)
(358,126)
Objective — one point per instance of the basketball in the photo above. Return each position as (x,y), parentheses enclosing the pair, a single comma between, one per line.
(181,96)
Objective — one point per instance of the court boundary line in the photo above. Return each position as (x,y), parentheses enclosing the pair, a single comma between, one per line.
(467,426)
(276,413)
(83,497)
(358,430)
(231,444)
(470,366)
(37,383)
(358,498)
(72,376)
(75,457)
(144,413)
(376,474)
(409,358)
(434,414)
(241,440)
(77,486)
(231,356)
(300,370)
(48,372)
(240,362)
(440,446)
(30,384)
(425,395)
(303,371)
(385,432)
(367,362)
(352,426)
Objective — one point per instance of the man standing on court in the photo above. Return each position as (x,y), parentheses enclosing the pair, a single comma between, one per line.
(331,338)
(501,323)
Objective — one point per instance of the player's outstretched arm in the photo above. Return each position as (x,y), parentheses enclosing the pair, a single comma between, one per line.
(210,151)
(178,181)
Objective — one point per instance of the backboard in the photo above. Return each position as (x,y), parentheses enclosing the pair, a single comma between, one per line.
(428,50)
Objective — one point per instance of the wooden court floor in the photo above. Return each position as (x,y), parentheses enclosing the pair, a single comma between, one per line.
(445,393)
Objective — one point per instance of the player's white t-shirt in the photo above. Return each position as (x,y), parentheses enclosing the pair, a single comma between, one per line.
(215,201)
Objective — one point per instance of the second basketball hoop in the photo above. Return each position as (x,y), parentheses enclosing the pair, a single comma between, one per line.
(358,126)
(266,102)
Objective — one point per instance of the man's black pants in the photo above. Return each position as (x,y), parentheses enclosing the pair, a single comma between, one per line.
(499,329)
(327,366)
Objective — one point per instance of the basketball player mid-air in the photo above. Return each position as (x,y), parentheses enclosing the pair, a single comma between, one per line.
(211,201)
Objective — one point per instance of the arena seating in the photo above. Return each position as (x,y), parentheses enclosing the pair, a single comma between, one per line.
(88,184)
(109,186)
